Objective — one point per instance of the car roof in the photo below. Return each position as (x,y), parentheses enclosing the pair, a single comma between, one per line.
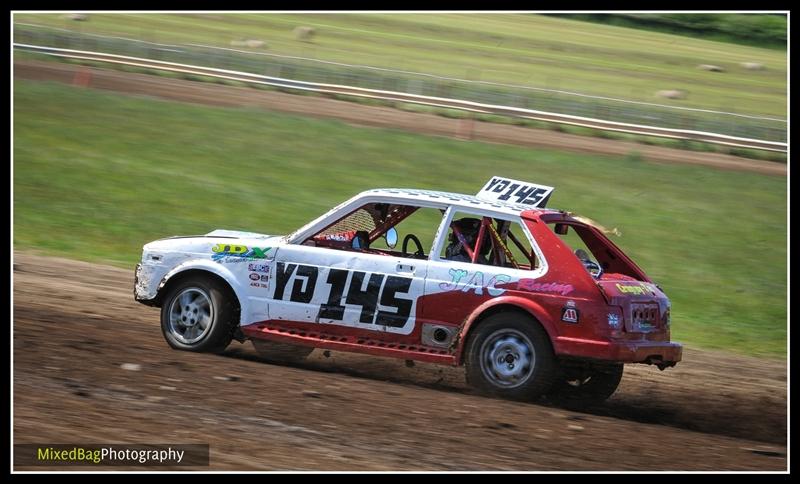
(450,198)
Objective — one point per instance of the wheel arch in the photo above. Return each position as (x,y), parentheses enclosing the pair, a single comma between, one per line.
(212,270)
(522,306)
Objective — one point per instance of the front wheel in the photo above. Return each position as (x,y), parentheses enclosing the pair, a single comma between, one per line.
(198,315)
(509,355)
(586,386)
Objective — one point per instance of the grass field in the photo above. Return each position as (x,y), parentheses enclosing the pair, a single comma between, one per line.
(512,48)
(96,175)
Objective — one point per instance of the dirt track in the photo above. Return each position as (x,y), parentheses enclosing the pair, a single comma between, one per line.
(359,114)
(76,323)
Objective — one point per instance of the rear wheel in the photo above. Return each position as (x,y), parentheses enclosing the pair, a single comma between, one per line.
(587,385)
(281,352)
(509,355)
(198,314)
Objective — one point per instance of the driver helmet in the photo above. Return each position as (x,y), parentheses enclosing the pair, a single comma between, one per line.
(469,228)
(582,255)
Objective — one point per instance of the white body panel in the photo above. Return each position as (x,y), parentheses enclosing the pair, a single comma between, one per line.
(327,286)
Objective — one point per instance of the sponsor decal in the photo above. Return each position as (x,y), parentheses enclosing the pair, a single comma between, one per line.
(347,288)
(264,278)
(254,276)
(547,287)
(341,237)
(515,191)
(258,268)
(259,284)
(637,289)
(569,313)
(238,253)
(465,281)
(613,320)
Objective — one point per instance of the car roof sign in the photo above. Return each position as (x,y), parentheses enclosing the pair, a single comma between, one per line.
(515,191)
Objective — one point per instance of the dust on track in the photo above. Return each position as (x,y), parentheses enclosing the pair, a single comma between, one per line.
(363,115)
(76,323)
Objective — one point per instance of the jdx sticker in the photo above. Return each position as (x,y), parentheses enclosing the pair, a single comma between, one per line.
(238,253)
(350,298)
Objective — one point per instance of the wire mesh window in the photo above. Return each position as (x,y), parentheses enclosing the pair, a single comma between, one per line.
(361,219)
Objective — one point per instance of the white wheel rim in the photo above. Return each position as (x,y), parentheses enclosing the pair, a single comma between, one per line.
(191,315)
(507,358)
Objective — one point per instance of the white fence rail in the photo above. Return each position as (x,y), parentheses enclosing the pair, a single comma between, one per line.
(469,106)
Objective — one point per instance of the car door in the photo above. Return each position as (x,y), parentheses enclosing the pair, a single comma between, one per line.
(363,291)
(454,289)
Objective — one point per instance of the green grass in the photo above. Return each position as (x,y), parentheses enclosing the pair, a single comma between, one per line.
(96,175)
(524,49)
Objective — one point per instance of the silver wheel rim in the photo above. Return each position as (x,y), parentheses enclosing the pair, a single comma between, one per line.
(507,358)
(190,315)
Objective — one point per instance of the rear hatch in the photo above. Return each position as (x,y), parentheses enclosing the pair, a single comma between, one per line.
(644,306)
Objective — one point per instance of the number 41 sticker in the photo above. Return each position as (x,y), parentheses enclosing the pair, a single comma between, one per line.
(569,313)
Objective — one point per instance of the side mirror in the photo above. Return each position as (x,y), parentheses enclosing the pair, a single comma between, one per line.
(390,237)
(561,229)
(356,242)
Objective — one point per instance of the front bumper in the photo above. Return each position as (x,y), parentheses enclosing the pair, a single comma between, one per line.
(661,353)
(141,290)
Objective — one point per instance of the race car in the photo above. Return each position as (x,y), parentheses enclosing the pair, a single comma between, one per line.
(532,301)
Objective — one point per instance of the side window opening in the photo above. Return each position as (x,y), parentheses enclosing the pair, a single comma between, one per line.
(488,241)
(422,223)
(370,218)
(364,230)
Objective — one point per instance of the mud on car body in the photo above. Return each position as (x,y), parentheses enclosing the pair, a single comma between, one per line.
(532,301)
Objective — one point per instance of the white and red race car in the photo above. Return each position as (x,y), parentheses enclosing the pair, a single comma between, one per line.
(492,281)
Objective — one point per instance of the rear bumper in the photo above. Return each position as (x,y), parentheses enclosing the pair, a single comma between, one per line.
(661,353)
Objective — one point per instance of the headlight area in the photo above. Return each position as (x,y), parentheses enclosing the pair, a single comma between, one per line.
(152,257)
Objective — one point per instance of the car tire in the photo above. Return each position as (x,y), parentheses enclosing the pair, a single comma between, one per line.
(277,352)
(587,386)
(509,355)
(199,314)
